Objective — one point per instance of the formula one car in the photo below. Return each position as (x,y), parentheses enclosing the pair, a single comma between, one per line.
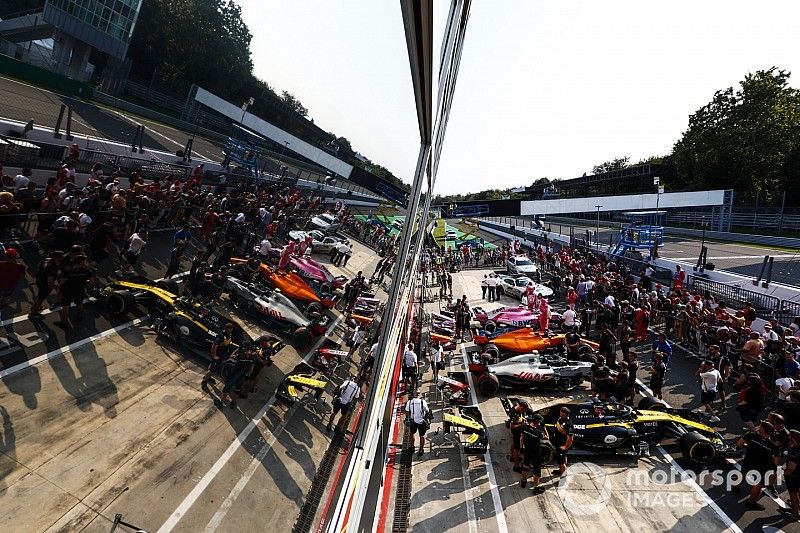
(455,387)
(317,274)
(183,319)
(528,371)
(277,311)
(468,420)
(609,427)
(320,244)
(292,285)
(303,378)
(516,316)
(525,340)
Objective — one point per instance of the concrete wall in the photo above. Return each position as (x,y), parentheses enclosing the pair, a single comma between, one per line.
(633,202)
(273,132)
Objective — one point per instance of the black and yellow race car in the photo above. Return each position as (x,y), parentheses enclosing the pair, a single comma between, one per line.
(609,428)
(190,322)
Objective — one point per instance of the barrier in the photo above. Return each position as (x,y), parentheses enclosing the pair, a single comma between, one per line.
(44,78)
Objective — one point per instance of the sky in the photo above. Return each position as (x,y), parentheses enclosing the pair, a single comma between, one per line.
(545,89)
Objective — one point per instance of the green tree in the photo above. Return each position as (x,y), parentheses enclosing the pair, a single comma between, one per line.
(180,42)
(615,164)
(294,104)
(746,139)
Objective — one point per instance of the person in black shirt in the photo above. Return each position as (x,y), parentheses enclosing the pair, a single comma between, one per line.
(606,345)
(74,280)
(657,372)
(562,440)
(530,442)
(633,368)
(761,456)
(242,362)
(791,475)
(724,366)
(45,281)
(515,423)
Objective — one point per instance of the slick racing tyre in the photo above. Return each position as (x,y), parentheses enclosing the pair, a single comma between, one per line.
(651,404)
(547,452)
(488,384)
(325,288)
(697,448)
(169,285)
(301,338)
(493,351)
(120,302)
(313,309)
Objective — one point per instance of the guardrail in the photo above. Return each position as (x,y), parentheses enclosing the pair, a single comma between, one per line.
(764,240)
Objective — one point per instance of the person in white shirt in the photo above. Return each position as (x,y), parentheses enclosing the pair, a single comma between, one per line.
(264,249)
(437,361)
(417,413)
(710,378)
(491,283)
(21,181)
(410,366)
(84,221)
(609,301)
(135,245)
(346,395)
(782,386)
(356,340)
(568,317)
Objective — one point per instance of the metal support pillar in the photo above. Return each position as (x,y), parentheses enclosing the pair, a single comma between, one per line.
(69,136)
(57,130)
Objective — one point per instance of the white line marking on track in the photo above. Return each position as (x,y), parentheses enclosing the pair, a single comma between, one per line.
(56,308)
(217,467)
(688,480)
(64,349)
(705,496)
(468,488)
(502,527)
(226,505)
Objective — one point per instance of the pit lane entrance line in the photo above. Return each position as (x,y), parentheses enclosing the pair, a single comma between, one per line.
(686,478)
(217,467)
(64,349)
(226,505)
(468,488)
(498,505)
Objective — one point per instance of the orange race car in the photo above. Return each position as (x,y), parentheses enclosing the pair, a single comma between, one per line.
(524,340)
(291,285)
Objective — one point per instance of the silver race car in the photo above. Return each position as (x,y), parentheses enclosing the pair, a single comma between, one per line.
(529,371)
(278,311)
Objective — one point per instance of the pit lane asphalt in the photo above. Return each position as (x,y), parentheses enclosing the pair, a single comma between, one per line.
(120,425)
(23,102)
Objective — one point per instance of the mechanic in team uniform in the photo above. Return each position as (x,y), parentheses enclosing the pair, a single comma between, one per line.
(220,351)
(562,440)
(761,456)
(516,422)
(241,362)
(791,475)
(530,442)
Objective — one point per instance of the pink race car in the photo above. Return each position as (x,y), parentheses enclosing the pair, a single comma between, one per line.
(515,316)
(313,271)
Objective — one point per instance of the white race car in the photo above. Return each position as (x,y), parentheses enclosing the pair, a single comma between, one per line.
(327,223)
(529,371)
(520,264)
(514,286)
(321,243)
